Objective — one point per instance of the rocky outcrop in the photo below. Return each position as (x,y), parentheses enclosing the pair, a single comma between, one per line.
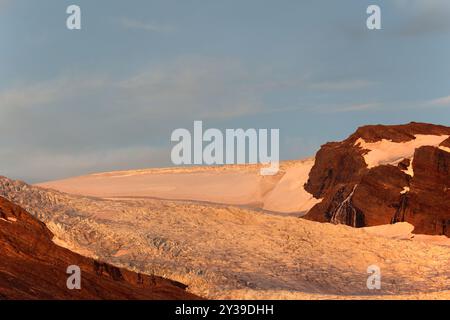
(428,201)
(397,133)
(445,143)
(414,189)
(33,267)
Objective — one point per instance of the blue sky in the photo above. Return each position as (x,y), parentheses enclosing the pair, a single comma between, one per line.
(107,97)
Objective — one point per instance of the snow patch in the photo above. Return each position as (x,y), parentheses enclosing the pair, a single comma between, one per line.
(410,171)
(9,219)
(399,231)
(60,243)
(405,190)
(389,152)
(289,194)
(444,148)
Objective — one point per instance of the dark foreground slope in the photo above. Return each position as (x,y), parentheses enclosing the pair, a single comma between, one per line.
(33,267)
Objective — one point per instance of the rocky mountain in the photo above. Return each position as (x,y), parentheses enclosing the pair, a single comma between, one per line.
(164,222)
(385,174)
(32,266)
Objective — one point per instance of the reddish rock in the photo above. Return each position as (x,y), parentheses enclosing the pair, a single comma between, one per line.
(397,133)
(336,164)
(404,164)
(378,194)
(33,267)
(446,143)
(357,196)
(428,202)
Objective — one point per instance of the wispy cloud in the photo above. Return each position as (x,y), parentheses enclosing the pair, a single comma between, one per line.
(46,92)
(309,82)
(133,24)
(357,107)
(74,124)
(444,101)
(342,85)
(209,88)
(347,108)
(40,165)
(423,17)
(80,123)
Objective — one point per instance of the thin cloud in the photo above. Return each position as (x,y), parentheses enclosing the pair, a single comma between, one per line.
(46,92)
(342,85)
(444,101)
(308,82)
(41,165)
(81,124)
(357,107)
(423,17)
(133,24)
(347,108)
(209,88)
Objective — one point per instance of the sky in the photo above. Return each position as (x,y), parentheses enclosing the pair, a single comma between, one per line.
(108,96)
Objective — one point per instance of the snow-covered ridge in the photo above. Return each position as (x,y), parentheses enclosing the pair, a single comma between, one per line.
(284,165)
(389,152)
(233,185)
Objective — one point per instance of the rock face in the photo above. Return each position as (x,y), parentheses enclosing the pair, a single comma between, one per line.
(33,267)
(385,174)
